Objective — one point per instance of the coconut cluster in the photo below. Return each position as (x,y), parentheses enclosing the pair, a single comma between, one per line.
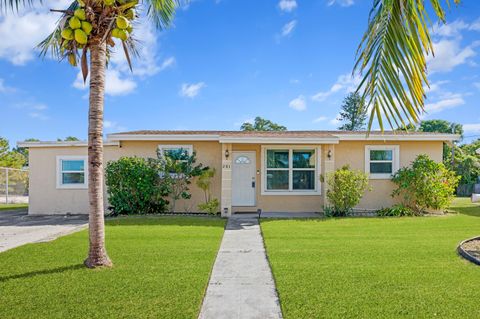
(110,18)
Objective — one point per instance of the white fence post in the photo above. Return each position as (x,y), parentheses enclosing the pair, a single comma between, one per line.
(6,186)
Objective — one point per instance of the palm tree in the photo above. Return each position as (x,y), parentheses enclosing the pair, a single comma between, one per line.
(87,27)
(392,56)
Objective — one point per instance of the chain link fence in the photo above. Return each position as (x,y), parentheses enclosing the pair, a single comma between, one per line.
(13,185)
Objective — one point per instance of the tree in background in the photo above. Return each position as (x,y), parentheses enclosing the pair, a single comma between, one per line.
(10,158)
(68,139)
(24,151)
(261,124)
(440,126)
(353,113)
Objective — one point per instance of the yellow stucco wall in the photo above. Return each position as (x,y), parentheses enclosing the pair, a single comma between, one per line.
(45,198)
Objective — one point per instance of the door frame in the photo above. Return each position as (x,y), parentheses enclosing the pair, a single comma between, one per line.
(255,175)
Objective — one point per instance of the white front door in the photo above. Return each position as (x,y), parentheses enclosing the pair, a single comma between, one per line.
(243,179)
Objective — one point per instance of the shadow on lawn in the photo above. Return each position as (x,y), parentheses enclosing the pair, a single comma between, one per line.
(42,272)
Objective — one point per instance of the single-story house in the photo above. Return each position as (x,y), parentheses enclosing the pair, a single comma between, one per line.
(272,171)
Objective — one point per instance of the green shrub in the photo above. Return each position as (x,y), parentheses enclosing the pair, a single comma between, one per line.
(396,210)
(204,182)
(134,186)
(425,185)
(346,188)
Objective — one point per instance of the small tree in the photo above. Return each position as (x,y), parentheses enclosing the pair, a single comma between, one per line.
(346,189)
(261,124)
(204,182)
(177,168)
(425,185)
(353,113)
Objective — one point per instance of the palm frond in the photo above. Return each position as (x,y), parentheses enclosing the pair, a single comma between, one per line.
(15,5)
(162,12)
(392,58)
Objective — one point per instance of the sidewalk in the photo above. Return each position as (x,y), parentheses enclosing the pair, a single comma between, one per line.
(241,285)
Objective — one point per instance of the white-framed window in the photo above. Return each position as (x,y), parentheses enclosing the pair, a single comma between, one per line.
(290,170)
(175,150)
(382,161)
(72,172)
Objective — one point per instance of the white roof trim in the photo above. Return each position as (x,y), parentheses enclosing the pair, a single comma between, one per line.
(279,140)
(163,137)
(399,137)
(62,144)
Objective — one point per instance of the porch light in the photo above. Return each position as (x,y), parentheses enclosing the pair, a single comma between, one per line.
(227,154)
(329,154)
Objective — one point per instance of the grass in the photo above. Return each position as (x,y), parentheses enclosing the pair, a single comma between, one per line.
(12,206)
(375,267)
(161,270)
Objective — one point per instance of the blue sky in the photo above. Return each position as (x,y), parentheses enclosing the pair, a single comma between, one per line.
(225,62)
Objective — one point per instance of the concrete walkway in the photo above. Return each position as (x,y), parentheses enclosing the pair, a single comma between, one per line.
(241,285)
(17,228)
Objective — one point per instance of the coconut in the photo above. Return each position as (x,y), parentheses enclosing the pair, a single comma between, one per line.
(80,13)
(115,32)
(108,2)
(122,22)
(122,35)
(80,36)
(81,3)
(74,23)
(72,59)
(67,34)
(86,27)
(130,14)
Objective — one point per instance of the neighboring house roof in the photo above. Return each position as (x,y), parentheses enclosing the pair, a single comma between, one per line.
(272,137)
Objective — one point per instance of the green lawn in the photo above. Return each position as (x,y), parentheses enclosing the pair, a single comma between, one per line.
(161,270)
(375,267)
(12,206)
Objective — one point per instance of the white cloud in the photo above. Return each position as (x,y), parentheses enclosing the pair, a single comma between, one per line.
(472,128)
(191,90)
(38,115)
(298,103)
(475,26)
(345,83)
(287,5)
(477,85)
(448,55)
(447,101)
(288,28)
(112,126)
(342,3)
(4,88)
(320,119)
(115,83)
(167,63)
(452,29)
(335,120)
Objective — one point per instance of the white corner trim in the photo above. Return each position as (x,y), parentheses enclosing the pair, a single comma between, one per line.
(318,188)
(59,183)
(62,144)
(395,160)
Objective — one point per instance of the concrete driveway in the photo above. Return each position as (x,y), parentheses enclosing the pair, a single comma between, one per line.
(17,228)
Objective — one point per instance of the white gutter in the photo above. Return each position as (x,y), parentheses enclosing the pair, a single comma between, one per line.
(163,137)
(62,144)
(279,140)
(399,137)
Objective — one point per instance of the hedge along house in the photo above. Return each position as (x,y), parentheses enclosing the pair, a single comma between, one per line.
(272,171)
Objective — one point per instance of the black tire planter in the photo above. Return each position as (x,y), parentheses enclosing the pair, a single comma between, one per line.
(462,252)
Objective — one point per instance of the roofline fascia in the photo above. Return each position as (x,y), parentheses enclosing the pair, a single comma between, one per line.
(63,144)
(163,137)
(413,137)
(279,140)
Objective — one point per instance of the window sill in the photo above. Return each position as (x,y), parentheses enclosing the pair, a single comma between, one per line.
(72,186)
(290,193)
(380,176)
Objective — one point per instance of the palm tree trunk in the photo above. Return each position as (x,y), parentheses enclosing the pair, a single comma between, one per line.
(97,254)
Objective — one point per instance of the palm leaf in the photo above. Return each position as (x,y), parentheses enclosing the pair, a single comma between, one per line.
(162,12)
(392,58)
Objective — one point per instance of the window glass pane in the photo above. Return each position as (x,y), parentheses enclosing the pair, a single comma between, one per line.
(381,168)
(277,180)
(73,178)
(277,158)
(381,155)
(176,153)
(304,159)
(73,165)
(304,180)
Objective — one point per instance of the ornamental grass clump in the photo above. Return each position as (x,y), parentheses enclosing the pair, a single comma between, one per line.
(346,189)
(425,186)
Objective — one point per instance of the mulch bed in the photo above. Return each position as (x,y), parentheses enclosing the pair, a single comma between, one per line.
(470,249)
